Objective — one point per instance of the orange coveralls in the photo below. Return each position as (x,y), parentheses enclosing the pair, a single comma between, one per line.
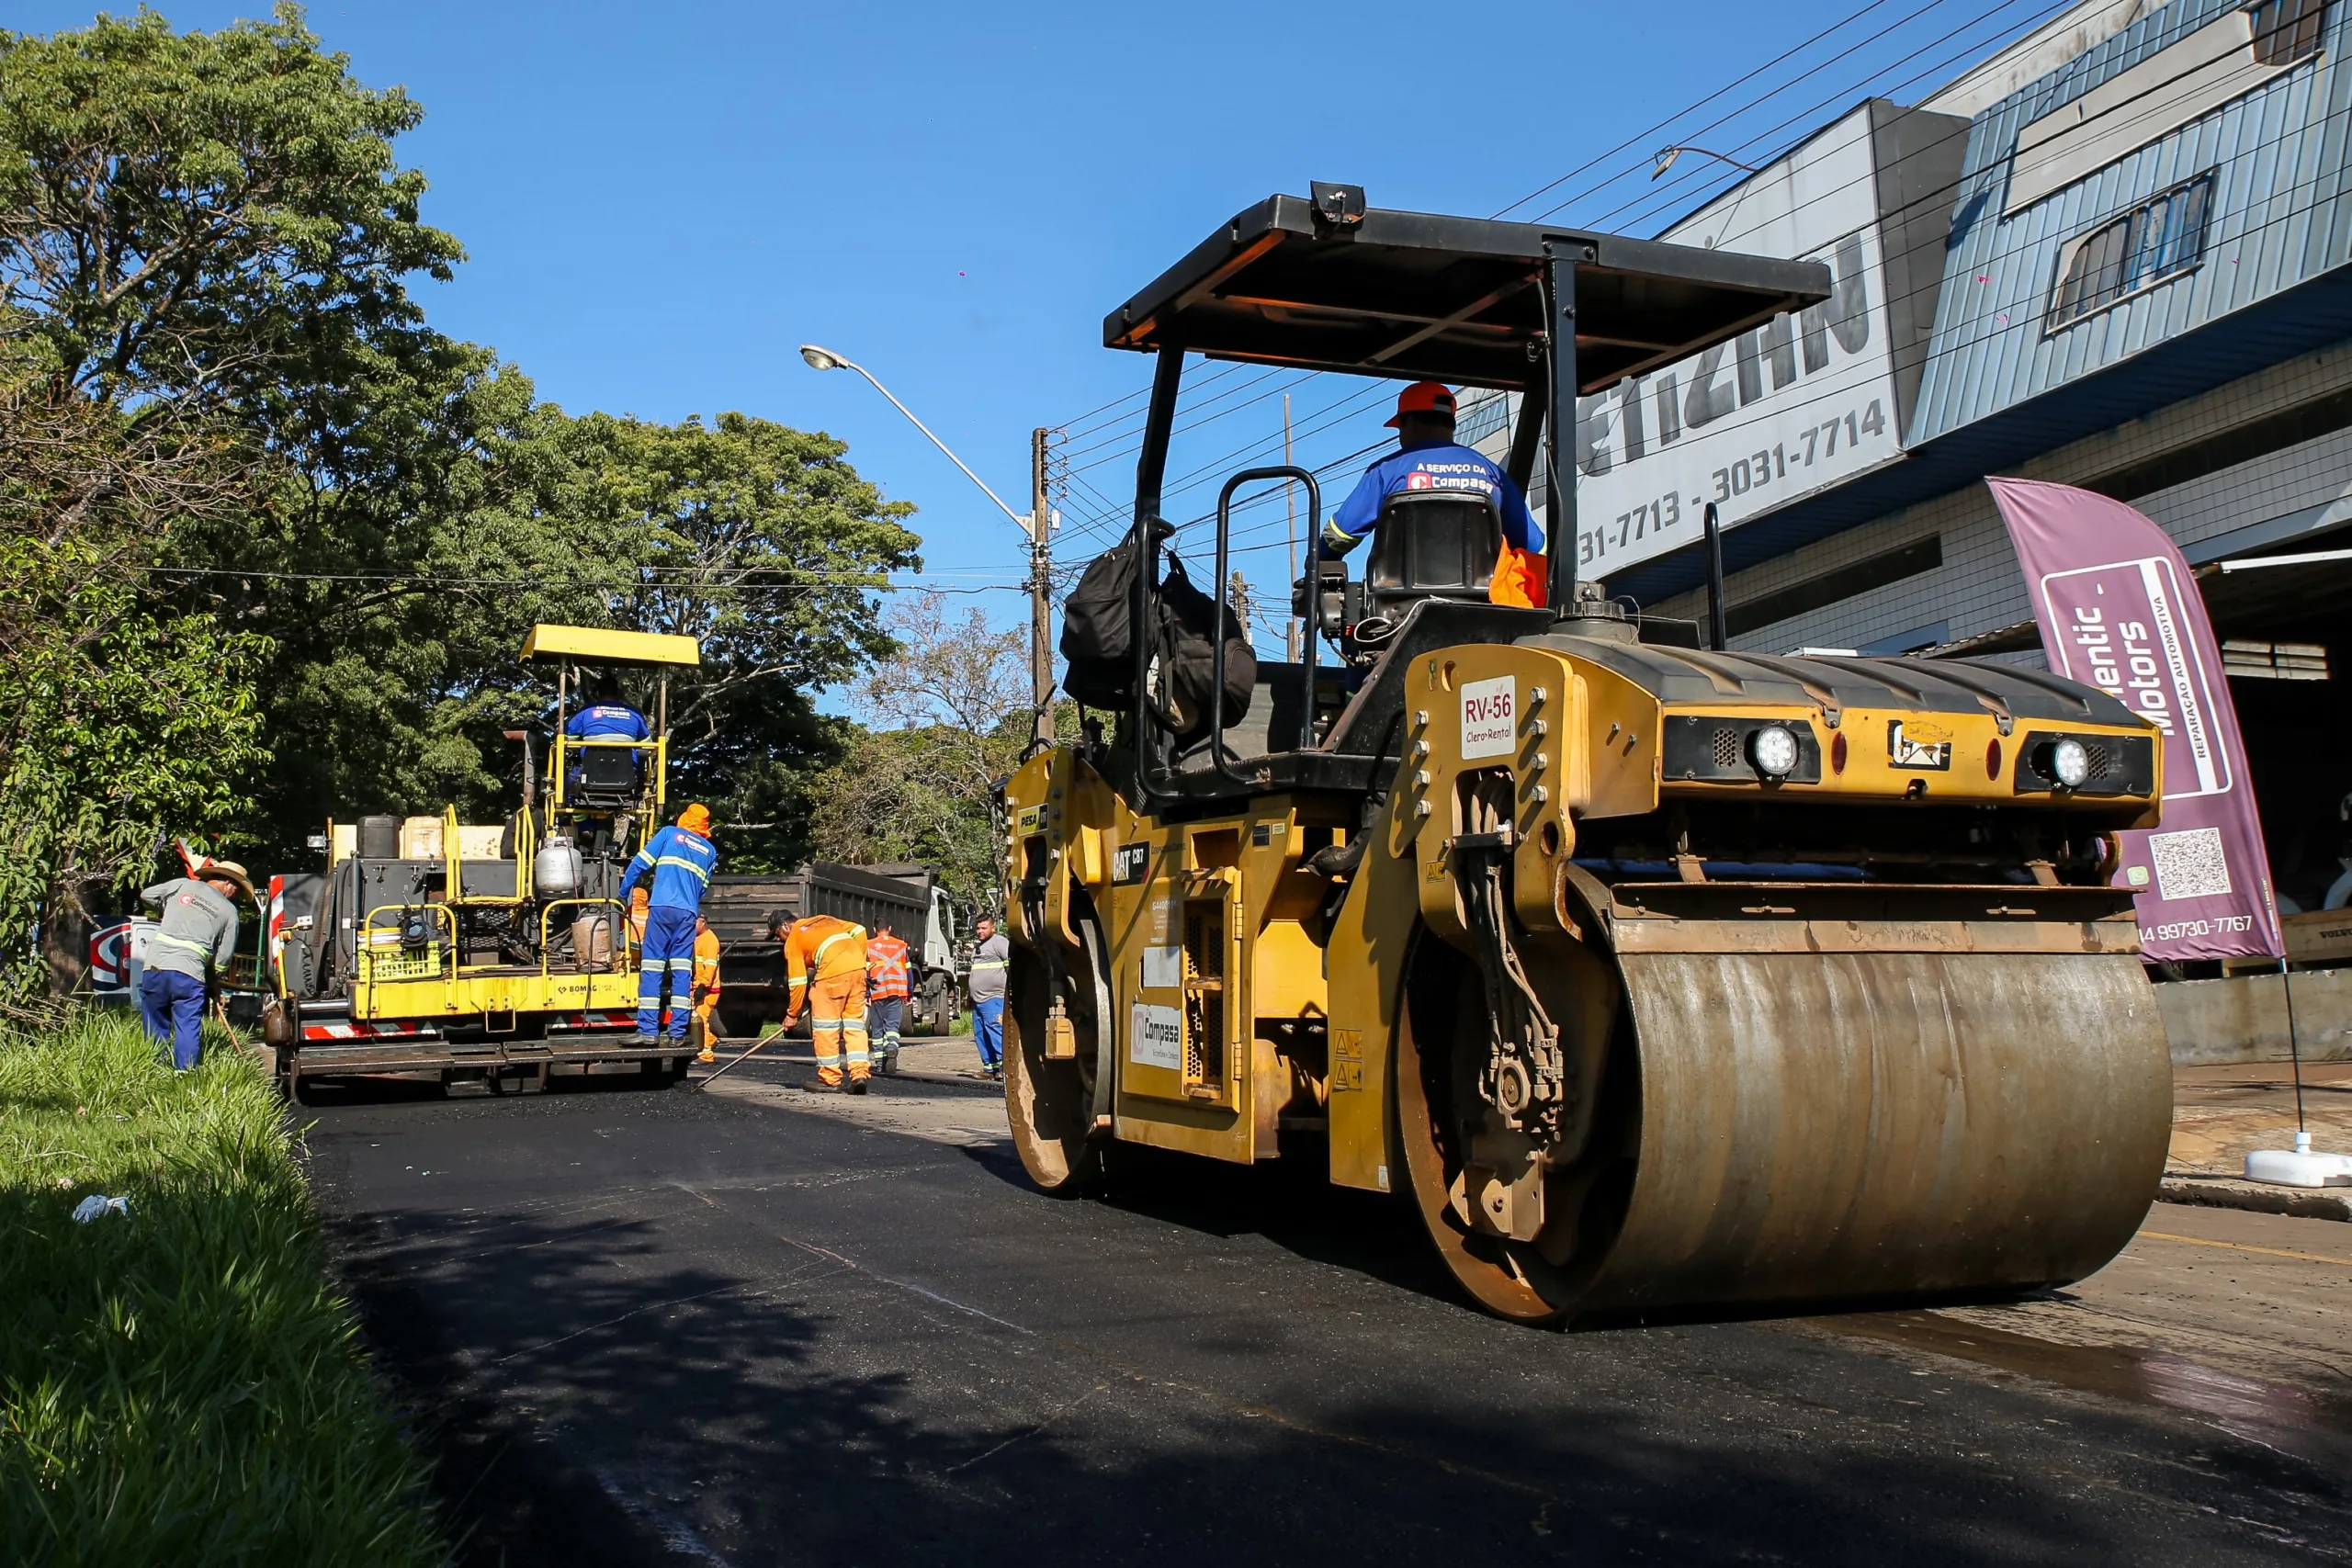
(825,958)
(705,991)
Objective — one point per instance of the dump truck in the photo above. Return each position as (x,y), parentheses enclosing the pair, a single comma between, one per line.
(498,954)
(1654,978)
(742,910)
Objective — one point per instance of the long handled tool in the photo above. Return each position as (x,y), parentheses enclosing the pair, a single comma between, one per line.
(728,1065)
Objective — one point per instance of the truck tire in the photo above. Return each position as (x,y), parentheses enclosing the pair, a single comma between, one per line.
(743,1023)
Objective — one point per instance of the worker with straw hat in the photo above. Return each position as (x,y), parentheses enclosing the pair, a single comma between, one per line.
(191,944)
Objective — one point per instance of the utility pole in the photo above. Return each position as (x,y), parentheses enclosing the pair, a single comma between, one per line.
(1041,592)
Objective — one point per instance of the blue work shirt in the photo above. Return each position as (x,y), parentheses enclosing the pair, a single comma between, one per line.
(607,721)
(1431,465)
(681,864)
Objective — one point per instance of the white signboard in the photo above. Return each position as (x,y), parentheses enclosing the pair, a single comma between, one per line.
(1163,966)
(1489,715)
(1156,1037)
(1801,403)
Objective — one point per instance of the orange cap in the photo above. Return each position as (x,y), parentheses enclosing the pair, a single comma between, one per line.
(695,818)
(1423,396)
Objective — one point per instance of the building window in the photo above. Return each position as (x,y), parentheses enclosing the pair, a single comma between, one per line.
(2156,240)
(2286,31)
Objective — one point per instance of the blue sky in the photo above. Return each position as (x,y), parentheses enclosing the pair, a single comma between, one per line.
(660,203)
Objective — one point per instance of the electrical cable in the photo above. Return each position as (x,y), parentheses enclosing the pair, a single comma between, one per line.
(1879,72)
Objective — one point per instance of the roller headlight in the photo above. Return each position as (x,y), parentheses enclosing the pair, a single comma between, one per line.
(1773,751)
(2067,763)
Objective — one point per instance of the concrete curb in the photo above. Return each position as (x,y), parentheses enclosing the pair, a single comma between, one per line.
(2226,1193)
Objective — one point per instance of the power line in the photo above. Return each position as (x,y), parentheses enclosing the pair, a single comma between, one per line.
(1825,387)
(1126,447)
(808,583)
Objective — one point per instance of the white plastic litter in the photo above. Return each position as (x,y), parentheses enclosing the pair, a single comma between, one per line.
(95,1207)
(2299,1167)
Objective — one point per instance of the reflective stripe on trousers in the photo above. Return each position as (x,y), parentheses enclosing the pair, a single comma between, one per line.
(669,955)
(837,1028)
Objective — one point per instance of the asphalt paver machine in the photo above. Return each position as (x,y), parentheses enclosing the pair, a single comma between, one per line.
(500,952)
(1656,977)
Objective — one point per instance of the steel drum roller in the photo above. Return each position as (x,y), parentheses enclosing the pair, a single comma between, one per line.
(1820,1126)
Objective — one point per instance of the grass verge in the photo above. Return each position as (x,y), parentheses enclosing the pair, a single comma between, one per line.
(180,1384)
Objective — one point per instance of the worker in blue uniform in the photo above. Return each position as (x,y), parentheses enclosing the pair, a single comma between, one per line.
(680,858)
(607,718)
(1428,457)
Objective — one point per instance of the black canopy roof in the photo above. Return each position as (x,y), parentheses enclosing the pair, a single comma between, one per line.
(1417,296)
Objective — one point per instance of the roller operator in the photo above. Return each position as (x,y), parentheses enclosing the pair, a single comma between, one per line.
(1428,457)
(608,717)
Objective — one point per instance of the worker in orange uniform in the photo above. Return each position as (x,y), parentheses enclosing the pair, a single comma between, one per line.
(824,959)
(705,991)
(886,959)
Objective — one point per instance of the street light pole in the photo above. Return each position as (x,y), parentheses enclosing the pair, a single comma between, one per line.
(1037,525)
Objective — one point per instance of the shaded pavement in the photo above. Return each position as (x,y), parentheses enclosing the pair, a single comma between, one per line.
(674,1327)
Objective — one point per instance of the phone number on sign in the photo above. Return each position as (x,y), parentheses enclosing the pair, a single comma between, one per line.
(1768,466)
(2220,925)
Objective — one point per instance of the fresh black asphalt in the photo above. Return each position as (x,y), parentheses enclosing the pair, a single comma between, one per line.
(655,1328)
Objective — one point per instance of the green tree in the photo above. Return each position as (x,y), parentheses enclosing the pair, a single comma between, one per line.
(122,724)
(760,540)
(203,239)
(951,712)
(287,475)
(211,216)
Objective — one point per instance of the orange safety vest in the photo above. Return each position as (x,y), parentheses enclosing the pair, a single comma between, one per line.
(824,946)
(1519,580)
(886,967)
(706,964)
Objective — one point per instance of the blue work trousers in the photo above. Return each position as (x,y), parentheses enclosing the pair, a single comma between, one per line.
(172,1005)
(988,1031)
(668,954)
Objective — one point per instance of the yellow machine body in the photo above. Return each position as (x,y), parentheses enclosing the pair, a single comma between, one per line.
(1873,1074)
(415,989)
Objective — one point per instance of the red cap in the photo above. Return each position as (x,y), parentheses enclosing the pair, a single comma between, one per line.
(1423,396)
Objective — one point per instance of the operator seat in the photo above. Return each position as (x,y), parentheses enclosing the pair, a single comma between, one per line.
(604,776)
(1432,544)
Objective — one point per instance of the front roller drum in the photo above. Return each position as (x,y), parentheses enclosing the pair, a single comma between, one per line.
(1788,1128)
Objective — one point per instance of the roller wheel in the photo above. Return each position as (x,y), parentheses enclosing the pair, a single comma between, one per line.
(1051,1104)
(1442,1005)
(1441,1045)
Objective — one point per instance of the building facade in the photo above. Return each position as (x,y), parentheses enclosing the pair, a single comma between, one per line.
(2117,255)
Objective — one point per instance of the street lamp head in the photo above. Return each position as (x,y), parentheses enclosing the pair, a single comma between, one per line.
(821,358)
(1666,157)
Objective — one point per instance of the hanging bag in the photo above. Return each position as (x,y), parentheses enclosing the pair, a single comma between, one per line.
(1098,629)
(1183,673)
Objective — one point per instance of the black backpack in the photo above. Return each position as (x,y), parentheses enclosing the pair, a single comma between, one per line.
(1182,676)
(1098,630)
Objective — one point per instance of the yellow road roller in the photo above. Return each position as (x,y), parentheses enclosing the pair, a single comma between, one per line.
(1661,978)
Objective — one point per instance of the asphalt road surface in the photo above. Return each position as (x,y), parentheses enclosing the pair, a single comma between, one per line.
(752,1327)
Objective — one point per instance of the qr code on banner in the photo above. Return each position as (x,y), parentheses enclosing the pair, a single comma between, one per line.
(2189,863)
